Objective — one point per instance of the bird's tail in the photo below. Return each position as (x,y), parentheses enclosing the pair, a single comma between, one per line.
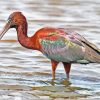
(92,53)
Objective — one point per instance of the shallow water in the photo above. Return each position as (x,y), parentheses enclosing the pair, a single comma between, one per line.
(26,74)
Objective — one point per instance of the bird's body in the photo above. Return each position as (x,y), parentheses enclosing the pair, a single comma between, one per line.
(57,44)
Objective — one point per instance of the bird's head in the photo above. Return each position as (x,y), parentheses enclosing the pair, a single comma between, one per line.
(15,19)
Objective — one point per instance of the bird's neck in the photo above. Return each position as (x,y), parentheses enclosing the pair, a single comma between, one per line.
(24,40)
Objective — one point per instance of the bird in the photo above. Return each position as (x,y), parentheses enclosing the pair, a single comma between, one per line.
(57,44)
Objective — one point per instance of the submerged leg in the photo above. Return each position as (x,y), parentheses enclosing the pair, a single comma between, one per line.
(67,67)
(54,66)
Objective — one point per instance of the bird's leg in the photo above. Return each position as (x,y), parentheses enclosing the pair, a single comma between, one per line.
(54,66)
(67,67)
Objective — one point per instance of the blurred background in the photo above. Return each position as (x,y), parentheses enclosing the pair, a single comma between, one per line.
(26,74)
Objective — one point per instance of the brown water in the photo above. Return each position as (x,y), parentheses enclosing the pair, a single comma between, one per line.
(26,74)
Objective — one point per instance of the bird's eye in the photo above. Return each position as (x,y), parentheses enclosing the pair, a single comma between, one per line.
(9,19)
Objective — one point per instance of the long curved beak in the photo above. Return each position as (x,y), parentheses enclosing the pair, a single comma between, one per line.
(5,29)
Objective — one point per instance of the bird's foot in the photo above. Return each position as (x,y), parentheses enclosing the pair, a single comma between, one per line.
(65,82)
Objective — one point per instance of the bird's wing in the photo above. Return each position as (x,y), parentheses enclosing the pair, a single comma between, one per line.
(62,46)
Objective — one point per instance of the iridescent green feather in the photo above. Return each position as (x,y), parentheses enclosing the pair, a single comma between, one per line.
(61,49)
